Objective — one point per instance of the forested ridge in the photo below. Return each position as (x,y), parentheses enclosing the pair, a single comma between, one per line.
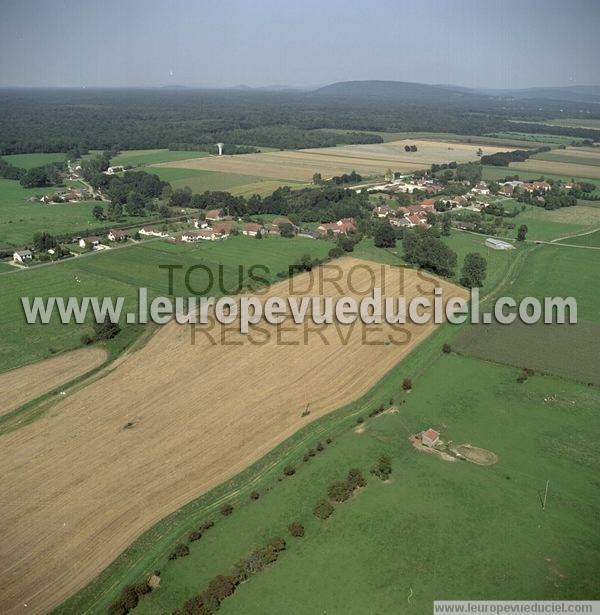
(51,120)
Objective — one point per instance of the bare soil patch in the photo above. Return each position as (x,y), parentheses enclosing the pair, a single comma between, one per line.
(477,455)
(78,488)
(24,384)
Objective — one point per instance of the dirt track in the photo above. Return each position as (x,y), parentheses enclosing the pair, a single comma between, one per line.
(78,487)
(23,384)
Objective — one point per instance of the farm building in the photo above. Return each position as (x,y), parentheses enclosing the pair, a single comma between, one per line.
(22,256)
(150,231)
(344,225)
(252,229)
(213,215)
(498,244)
(223,228)
(430,437)
(118,235)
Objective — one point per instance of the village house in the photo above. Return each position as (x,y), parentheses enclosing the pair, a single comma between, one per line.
(399,222)
(22,256)
(113,170)
(214,215)
(252,229)
(206,234)
(481,188)
(382,211)
(430,437)
(342,226)
(201,224)
(118,235)
(151,231)
(542,186)
(92,242)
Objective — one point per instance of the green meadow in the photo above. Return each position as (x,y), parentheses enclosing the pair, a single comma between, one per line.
(590,240)
(119,273)
(538,138)
(140,157)
(21,218)
(568,350)
(200,180)
(29,161)
(436,530)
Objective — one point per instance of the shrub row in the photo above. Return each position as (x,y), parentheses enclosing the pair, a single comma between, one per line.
(223,586)
(382,468)
(129,598)
(319,446)
(197,534)
(339,491)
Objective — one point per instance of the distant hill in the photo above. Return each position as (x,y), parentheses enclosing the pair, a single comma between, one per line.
(407,91)
(396,91)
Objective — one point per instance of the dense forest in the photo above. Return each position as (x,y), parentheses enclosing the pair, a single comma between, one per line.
(47,120)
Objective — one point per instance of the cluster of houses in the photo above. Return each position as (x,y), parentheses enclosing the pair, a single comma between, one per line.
(407,184)
(509,188)
(407,216)
(69,195)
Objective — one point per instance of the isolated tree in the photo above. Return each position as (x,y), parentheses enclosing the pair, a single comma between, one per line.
(522,232)
(136,204)
(286,230)
(446,225)
(114,211)
(317,179)
(384,236)
(98,212)
(474,270)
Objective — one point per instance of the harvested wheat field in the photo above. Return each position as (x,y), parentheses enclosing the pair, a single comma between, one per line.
(170,422)
(368,160)
(21,385)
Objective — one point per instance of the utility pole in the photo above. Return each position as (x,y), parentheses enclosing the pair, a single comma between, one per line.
(545,495)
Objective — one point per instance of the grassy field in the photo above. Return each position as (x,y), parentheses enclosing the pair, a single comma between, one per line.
(566,169)
(119,273)
(548,225)
(590,239)
(141,157)
(28,161)
(573,155)
(535,138)
(406,537)
(491,173)
(575,122)
(5,267)
(200,180)
(569,351)
(20,219)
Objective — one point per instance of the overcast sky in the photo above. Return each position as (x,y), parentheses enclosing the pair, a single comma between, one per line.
(477,43)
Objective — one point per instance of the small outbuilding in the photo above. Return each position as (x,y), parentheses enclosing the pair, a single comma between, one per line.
(430,437)
(498,244)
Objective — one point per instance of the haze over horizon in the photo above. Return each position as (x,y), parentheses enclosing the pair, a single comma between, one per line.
(495,44)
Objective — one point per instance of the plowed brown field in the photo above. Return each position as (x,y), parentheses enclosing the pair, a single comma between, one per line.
(78,486)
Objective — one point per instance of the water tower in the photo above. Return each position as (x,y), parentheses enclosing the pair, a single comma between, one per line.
(220,146)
